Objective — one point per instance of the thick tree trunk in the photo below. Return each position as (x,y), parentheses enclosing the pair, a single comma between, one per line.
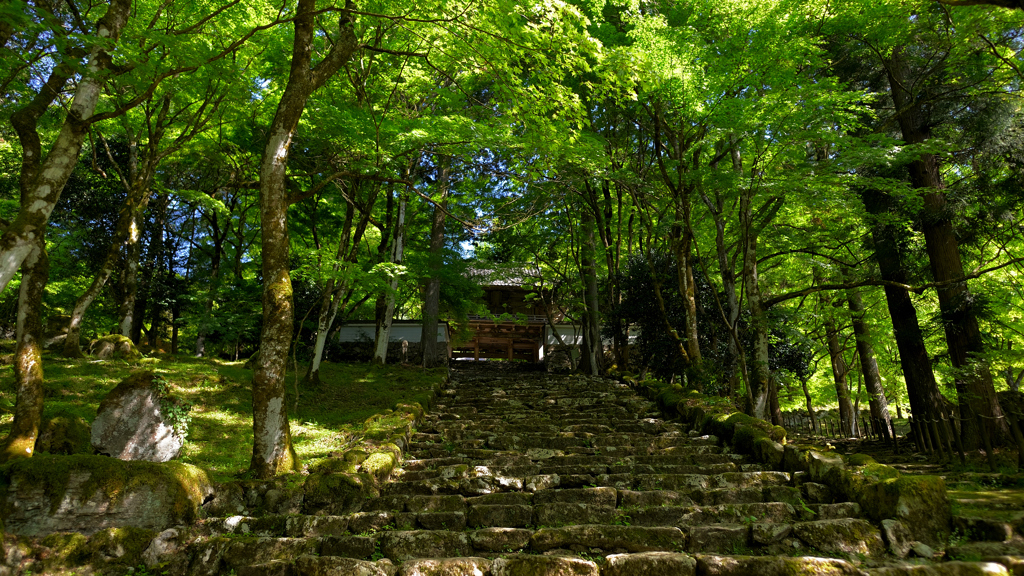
(432,293)
(590,358)
(28,357)
(43,179)
(272,451)
(975,390)
(877,403)
(922,391)
(130,279)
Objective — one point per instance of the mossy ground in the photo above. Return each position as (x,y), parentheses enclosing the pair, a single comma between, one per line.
(220,434)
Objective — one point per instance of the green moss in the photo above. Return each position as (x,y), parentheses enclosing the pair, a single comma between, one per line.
(113,478)
(122,546)
(64,433)
(745,437)
(859,460)
(333,466)
(380,465)
(122,347)
(66,548)
(877,471)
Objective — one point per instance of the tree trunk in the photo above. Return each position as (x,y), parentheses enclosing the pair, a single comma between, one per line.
(682,245)
(272,451)
(759,381)
(387,314)
(590,358)
(975,390)
(877,403)
(922,392)
(28,357)
(130,278)
(839,372)
(43,179)
(432,294)
(331,299)
(810,405)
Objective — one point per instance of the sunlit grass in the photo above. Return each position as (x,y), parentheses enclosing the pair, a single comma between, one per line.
(220,436)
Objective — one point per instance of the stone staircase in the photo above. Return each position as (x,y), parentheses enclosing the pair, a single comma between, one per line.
(530,474)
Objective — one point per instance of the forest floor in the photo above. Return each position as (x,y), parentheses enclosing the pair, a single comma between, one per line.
(324,418)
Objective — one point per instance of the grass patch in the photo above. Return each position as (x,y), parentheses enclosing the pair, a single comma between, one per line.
(220,435)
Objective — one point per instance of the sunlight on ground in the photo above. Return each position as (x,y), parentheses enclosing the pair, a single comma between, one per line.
(220,435)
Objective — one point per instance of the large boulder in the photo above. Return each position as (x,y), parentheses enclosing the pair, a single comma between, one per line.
(114,346)
(86,494)
(134,421)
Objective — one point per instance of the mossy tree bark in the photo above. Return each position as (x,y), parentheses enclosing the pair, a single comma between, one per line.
(28,359)
(975,390)
(272,451)
(751,223)
(43,179)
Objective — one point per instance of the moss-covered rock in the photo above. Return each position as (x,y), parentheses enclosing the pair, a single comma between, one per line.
(86,494)
(63,433)
(920,502)
(65,549)
(337,493)
(122,546)
(844,536)
(379,465)
(114,346)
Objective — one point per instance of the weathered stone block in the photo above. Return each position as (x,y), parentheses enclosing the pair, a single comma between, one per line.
(442,520)
(562,513)
(649,564)
(337,493)
(510,516)
(500,539)
(333,565)
(630,538)
(348,546)
(845,536)
(525,565)
(406,545)
(451,503)
(45,494)
(919,502)
(719,538)
(710,565)
(445,567)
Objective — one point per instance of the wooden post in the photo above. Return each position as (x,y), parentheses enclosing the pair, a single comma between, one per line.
(952,431)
